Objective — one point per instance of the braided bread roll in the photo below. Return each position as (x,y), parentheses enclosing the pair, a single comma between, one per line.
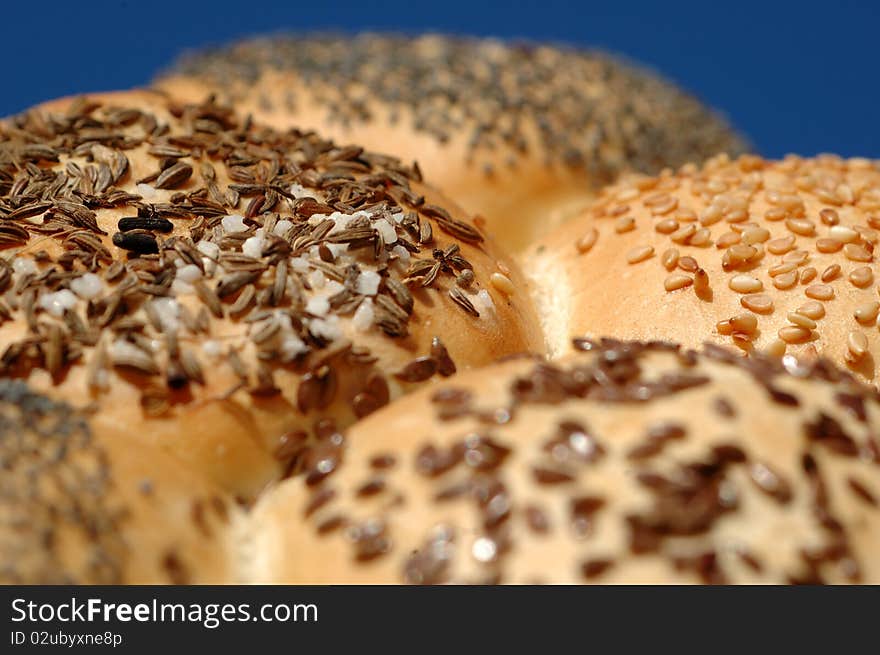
(622,463)
(747,253)
(223,290)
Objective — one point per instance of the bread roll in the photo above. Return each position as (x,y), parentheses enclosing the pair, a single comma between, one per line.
(749,253)
(521,134)
(624,463)
(216,288)
(78,508)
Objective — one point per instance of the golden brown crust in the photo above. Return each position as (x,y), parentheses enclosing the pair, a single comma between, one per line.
(215,287)
(676,257)
(519,133)
(627,463)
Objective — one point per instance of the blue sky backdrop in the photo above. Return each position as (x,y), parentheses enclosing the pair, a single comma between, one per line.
(794,76)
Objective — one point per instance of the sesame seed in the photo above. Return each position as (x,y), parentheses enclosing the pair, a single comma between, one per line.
(664,207)
(812,309)
(669,259)
(867,312)
(736,215)
(684,234)
(781,269)
(677,281)
(829,217)
(639,254)
(797,256)
(831,273)
(745,284)
(666,226)
(801,321)
(802,226)
(786,280)
(656,199)
(701,238)
(724,327)
(857,253)
(755,235)
(857,344)
(688,264)
(775,214)
(701,280)
(502,283)
(868,235)
(744,323)
(760,303)
(685,215)
(728,239)
(739,254)
(819,292)
(826,245)
(828,197)
(794,334)
(586,242)
(781,245)
(776,348)
(625,224)
(807,275)
(861,277)
(843,234)
(711,215)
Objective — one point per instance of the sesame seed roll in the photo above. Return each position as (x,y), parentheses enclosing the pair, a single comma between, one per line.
(79,508)
(747,253)
(622,463)
(521,134)
(224,290)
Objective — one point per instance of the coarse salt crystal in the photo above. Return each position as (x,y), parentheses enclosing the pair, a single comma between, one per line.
(281,227)
(363,317)
(253,247)
(386,231)
(24,266)
(484,301)
(331,288)
(326,328)
(299,191)
(209,249)
(368,283)
(402,255)
(122,349)
(188,273)
(291,347)
(87,286)
(233,223)
(56,303)
(181,288)
(211,348)
(300,264)
(148,192)
(167,310)
(318,306)
(317,279)
(337,248)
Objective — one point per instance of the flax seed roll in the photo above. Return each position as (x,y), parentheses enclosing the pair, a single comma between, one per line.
(623,463)
(752,254)
(222,290)
(521,134)
(77,508)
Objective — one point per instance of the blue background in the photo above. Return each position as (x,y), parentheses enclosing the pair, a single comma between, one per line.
(796,77)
